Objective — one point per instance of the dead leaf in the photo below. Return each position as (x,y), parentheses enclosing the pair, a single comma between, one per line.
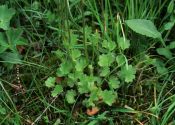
(92,111)
(21,49)
(58,80)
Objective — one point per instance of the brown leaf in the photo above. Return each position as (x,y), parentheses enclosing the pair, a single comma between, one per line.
(58,80)
(92,111)
(21,49)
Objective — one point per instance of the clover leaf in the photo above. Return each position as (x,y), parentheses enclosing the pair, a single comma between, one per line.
(127,73)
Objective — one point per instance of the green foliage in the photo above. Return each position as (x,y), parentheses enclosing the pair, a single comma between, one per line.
(64,69)
(50,82)
(88,75)
(88,55)
(170,7)
(81,63)
(70,96)
(5,16)
(2,110)
(106,60)
(110,45)
(165,52)
(57,90)
(144,27)
(127,73)
(108,97)
(114,83)
(123,43)
(120,60)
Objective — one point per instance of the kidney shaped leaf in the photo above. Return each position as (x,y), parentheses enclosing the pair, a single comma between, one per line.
(106,60)
(110,45)
(114,82)
(123,43)
(108,97)
(64,69)
(144,27)
(127,73)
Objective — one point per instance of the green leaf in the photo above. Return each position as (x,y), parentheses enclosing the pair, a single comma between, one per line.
(95,38)
(87,83)
(110,45)
(114,82)
(83,87)
(57,90)
(50,82)
(93,97)
(2,110)
(164,52)
(160,66)
(13,35)
(81,64)
(170,7)
(50,16)
(123,43)
(73,40)
(108,97)
(171,45)
(70,96)
(88,31)
(75,53)
(168,25)
(105,71)
(64,69)
(93,122)
(144,27)
(105,60)
(57,122)
(120,60)
(58,53)
(5,16)
(13,58)
(70,41)
(127,73)
(3,43)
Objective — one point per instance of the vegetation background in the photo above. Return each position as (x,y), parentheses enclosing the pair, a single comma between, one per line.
(94,62)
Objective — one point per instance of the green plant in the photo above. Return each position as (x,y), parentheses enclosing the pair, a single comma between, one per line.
(87,71)
(10,38)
